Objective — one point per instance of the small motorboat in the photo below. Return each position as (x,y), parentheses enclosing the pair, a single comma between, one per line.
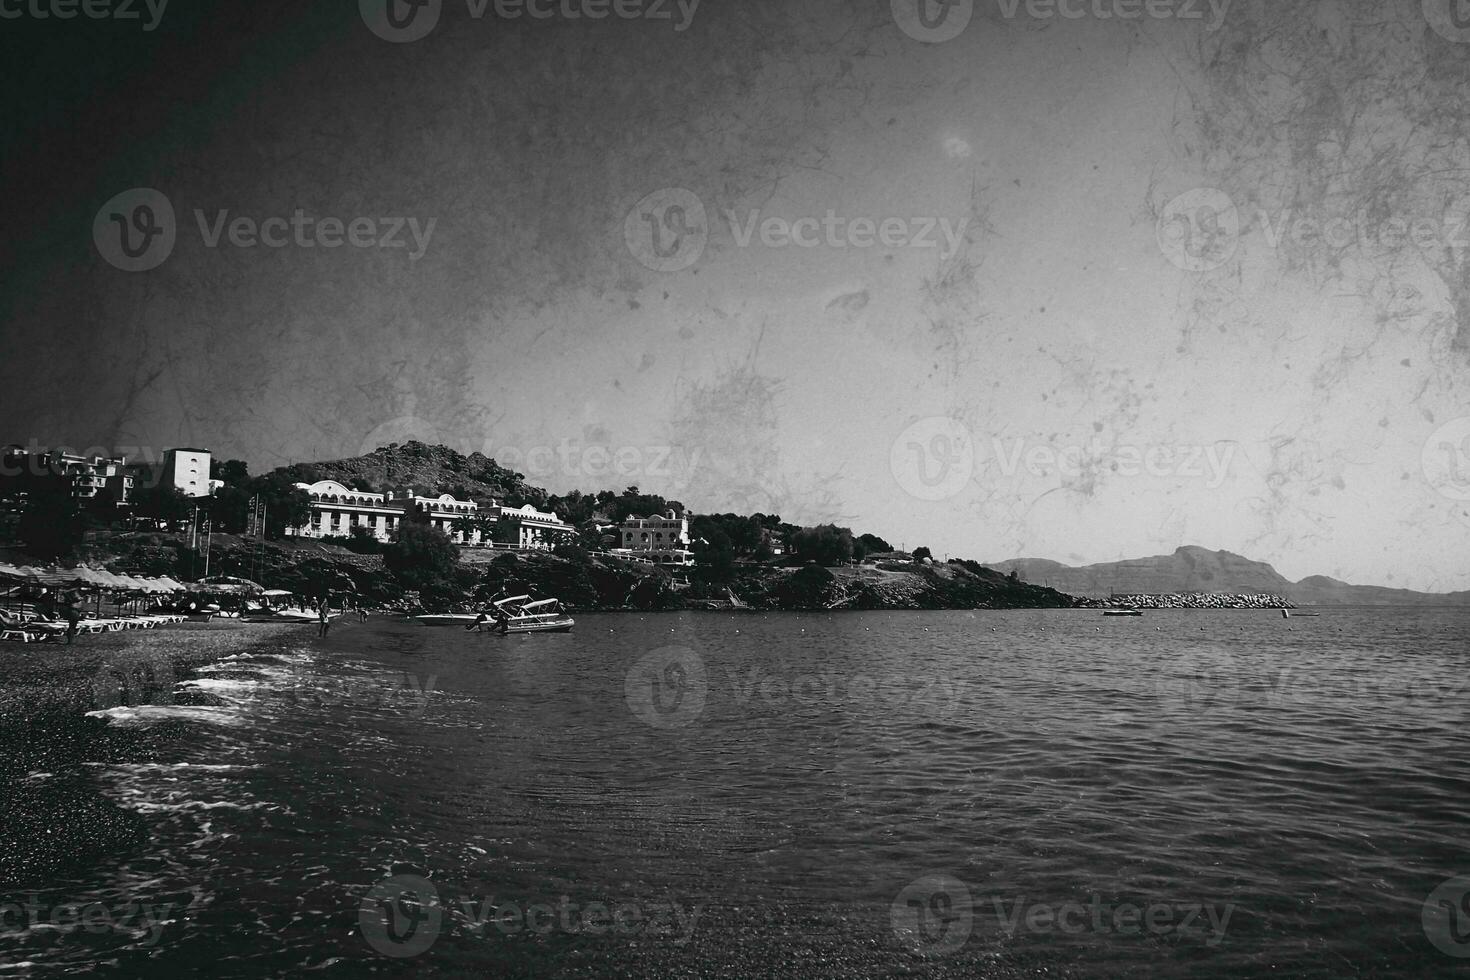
(1122,612)
(513,614)
(542,616)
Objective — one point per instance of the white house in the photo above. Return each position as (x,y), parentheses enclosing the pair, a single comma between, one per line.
(533,529)
(663,540)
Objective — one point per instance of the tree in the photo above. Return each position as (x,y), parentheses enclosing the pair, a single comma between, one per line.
(420,556)
(363,541)
(465,526)
(231,472)
(162,502)
(714,556)
(286,506)
(825,544)
(921,553)
(229,508)
(872,543)
(52,523)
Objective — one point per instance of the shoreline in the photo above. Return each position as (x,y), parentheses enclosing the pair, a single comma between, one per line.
(53,819)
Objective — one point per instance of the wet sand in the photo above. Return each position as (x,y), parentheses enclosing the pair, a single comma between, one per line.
(51,817)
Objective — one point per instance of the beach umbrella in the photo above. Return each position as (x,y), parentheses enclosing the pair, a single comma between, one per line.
(54,575)
(229,583)
(168,584)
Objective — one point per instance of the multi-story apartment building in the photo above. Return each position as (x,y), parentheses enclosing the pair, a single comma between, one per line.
(89,475)
(187,470)
(663,540)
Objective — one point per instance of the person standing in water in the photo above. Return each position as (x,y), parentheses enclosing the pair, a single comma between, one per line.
(324,620)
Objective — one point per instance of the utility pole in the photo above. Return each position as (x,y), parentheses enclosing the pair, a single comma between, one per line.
(208,534)
(260,541)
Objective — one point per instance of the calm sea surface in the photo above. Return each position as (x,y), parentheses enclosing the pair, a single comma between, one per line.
(1190,793)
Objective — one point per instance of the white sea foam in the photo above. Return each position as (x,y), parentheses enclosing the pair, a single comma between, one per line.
(153,714)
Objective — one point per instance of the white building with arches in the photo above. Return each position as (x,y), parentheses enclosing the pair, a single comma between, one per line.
(662,540)
(337,509)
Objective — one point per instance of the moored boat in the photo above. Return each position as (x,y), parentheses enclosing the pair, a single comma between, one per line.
(542,616)
(513,614)
(1122,612)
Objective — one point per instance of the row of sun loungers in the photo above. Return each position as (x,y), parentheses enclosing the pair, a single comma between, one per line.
(24,629)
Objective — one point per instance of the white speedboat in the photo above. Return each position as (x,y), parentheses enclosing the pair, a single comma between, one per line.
(510,614)
(543,616)
(513,614)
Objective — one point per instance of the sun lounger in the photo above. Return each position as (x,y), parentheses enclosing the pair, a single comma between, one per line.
(25,636)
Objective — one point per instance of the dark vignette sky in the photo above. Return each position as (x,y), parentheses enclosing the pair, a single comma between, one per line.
(1298,401)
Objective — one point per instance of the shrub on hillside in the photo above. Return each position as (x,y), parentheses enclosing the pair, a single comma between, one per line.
(420,556)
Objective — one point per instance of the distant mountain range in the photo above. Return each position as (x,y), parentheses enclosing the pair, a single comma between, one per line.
(1194,569)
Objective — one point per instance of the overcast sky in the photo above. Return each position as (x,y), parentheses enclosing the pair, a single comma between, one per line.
(992,279)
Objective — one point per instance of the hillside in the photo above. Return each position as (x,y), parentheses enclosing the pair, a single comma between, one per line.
(427,469)
(1195,569)
(1188,569)
(1319,590)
